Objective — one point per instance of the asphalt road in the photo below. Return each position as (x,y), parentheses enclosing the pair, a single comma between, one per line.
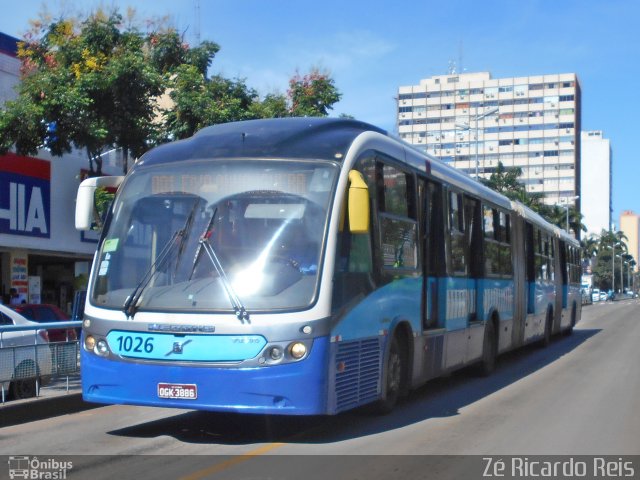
(579,396)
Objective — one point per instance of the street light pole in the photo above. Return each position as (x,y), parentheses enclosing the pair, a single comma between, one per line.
(468,127)
(566,207)
(613,267)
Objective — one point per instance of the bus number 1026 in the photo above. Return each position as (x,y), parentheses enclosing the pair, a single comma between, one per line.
(128,344)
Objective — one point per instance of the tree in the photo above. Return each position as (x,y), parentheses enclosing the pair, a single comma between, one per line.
(590,246)
(313,94)
(85,85)
(97,85)
(505,181)
(609,243)
(198,102)
(93,85)
(272,106)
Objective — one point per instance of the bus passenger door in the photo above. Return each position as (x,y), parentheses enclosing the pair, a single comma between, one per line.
(434,268)
(562,284)
(433,247)
(520,276)
(474,254)
(459,296)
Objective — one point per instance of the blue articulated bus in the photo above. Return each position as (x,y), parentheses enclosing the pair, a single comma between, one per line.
(309,266)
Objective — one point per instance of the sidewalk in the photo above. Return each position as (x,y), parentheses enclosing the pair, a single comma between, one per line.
(61,396)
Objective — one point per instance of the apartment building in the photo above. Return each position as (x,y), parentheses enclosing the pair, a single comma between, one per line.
(596,166)
(473,121)
(630,226)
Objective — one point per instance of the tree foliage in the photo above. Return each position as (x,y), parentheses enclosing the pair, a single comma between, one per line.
(85,84)
(505,181)
(604,263)
(198,101)
(312,95)
(96,84)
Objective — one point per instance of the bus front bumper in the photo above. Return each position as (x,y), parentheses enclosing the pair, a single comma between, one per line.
(298,388)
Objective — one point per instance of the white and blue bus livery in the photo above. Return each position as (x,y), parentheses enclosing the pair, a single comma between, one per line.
(309,266)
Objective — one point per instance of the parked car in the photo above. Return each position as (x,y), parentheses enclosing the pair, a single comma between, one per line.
(604,296)
(24,356)
(64,352)
(44,313)
(595,295)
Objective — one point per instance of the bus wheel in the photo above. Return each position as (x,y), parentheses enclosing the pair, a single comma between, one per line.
(546,340)
(394,372)
(569,330)
(489,351)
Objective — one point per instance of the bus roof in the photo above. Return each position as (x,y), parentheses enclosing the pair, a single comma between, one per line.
(312,138)
(536,219)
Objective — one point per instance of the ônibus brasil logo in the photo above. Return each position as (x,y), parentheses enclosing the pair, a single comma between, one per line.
(38,469)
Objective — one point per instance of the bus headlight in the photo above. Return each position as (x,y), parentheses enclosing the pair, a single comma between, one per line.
(275,353)
(89,343)
(297,350)
(102,348)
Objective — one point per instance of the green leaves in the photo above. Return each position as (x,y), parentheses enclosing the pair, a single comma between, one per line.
(312,95)
(97,85)
(505,181)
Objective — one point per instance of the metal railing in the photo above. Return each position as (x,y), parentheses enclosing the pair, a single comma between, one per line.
(26,364)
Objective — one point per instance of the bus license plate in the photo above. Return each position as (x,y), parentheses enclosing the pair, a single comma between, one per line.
(178,391)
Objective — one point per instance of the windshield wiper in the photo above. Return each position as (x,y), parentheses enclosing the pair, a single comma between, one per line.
(238,308)
(131,303)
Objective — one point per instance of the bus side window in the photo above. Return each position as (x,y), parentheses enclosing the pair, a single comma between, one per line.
(506,265)
(436,264)
(530,253)
(457,236)
(491,248)
(474,236)
(397,222)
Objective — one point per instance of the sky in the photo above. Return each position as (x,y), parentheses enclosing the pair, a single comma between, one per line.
(371,47)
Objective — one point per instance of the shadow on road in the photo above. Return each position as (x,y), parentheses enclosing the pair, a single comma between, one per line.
(443,397)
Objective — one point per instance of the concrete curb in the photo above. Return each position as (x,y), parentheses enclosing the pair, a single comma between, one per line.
(23,411)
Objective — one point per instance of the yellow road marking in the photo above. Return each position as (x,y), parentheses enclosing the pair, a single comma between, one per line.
(231,462)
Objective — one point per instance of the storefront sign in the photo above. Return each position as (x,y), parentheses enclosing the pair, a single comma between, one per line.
(19,275)
(25,196)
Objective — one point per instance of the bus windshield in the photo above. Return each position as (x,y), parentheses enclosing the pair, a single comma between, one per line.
(204,234)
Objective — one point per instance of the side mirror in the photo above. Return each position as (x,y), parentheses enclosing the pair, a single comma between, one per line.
(86,212)
(358,203)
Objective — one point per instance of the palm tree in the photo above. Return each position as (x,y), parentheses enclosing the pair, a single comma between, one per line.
(575,222)
(610,243)
(590,246)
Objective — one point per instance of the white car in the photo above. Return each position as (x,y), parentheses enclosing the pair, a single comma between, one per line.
(24,356)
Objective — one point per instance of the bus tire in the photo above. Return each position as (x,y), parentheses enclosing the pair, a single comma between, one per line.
(489,350)
(394,373)
(548,325)
(569,330)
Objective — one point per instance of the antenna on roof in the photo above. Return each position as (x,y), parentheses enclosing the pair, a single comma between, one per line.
(196,33)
